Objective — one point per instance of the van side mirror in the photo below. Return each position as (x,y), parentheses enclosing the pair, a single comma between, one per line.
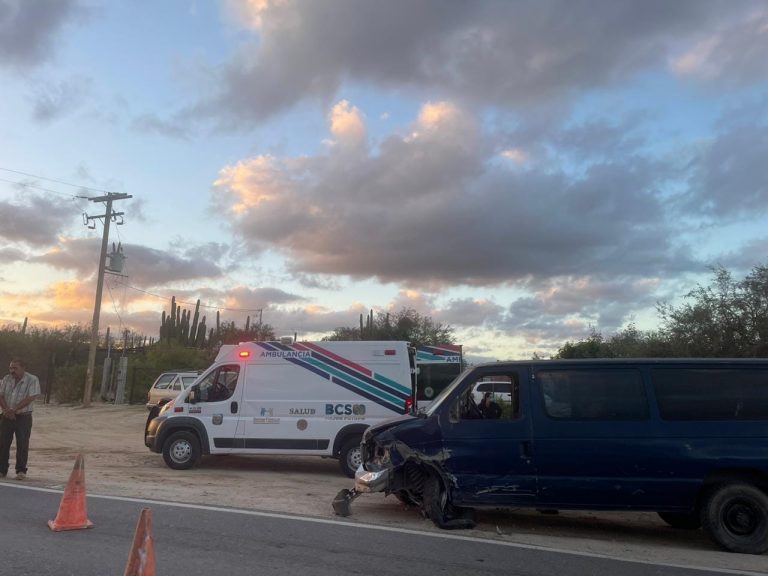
(453,412)
(193,392)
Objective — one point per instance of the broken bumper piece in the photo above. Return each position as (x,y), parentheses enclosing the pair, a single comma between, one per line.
(366,481)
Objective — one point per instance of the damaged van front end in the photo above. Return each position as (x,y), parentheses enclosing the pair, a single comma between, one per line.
(386,458)
(404,457)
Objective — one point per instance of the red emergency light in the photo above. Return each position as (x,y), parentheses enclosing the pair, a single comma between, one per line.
(244,353)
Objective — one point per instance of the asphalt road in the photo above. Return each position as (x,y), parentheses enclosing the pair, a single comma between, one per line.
(206,541)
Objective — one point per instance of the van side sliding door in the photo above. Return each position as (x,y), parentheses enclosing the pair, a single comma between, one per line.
(594,437)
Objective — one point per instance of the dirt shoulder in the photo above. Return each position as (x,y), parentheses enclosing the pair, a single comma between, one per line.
(118,464)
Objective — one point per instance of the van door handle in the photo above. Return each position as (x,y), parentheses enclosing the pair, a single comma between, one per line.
(525,450)
(233,407)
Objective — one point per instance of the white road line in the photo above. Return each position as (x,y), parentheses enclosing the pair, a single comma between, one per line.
(440,535)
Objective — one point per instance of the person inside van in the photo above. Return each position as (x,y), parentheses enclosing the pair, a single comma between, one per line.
(488,408)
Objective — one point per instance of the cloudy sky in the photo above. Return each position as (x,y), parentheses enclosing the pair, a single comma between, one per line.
(520,170)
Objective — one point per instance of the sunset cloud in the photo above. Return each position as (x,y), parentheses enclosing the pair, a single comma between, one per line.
(523,171)
(734,53)
(347,124)
(399,204)
(29,29)
(501,54)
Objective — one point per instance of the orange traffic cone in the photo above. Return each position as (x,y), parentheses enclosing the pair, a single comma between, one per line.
(72,511)
(141,560)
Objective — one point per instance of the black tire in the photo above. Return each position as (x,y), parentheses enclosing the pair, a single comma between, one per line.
(350,457)
(153,413)
(438,507)
(736,517)
(681,520)
(181,450)
(406,498)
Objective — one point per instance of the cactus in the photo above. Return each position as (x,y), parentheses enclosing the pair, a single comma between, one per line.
(193,335)
(200,336)
(184,336)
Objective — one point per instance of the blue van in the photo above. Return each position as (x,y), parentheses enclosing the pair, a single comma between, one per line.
(687,438)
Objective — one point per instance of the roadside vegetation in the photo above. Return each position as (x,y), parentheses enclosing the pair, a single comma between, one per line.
(727,318)
(407,325)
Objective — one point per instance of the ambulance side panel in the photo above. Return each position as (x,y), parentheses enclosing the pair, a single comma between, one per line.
(309,398)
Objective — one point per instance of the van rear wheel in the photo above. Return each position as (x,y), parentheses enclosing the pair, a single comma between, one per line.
(181,450)
(736,518)
(681,520)
(350,457)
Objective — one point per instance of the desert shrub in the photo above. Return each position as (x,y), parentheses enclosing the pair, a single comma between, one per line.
(69,384)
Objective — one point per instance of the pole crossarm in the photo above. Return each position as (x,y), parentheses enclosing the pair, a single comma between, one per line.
(100,216)
(111,196)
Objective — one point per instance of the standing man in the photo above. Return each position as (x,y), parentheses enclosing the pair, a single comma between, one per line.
(18,391)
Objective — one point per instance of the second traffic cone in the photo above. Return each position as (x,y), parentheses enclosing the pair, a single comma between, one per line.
(141,560)
(72,513)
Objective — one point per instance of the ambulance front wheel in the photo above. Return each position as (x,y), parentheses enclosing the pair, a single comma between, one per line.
(350,457)
(181,450)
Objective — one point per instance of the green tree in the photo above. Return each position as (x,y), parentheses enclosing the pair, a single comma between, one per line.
(593,347)
(407,324)
(726,318)
(229,333)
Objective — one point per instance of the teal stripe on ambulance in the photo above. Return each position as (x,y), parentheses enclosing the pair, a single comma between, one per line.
(362,385)
(391,383)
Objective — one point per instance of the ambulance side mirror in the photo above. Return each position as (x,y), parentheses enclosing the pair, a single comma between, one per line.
(193,392)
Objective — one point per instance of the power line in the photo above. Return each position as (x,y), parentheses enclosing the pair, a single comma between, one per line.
(190,303)
(114,305)
(44,189)
(80,186)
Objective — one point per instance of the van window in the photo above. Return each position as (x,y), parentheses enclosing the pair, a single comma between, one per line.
(594,394)
(720,394)
(220,384)
(486,399)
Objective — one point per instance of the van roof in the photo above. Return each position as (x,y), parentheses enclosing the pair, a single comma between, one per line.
(625,361)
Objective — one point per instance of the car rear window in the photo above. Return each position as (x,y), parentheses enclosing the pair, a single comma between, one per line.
(163,381)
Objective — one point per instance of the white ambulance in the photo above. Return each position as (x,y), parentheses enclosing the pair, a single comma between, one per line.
(274,398)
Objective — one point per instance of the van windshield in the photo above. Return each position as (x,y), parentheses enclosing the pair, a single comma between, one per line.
(440,398)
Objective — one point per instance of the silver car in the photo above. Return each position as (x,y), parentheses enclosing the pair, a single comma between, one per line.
(167,387)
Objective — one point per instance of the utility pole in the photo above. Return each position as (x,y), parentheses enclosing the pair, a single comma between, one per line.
(108,216)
